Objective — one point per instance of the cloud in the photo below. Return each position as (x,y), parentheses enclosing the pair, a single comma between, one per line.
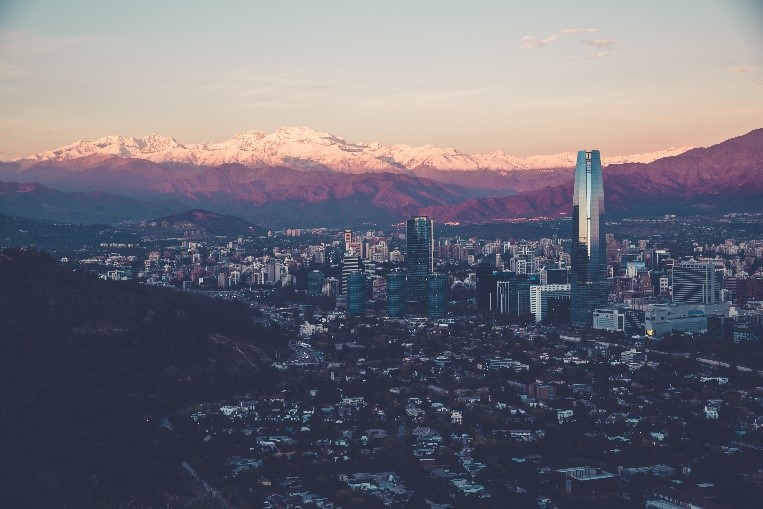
(601,43)
(529,41)
(600,54)
(743,69)
(569,31)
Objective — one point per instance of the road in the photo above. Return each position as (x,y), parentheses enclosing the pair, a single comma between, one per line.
(205,485)
(685,355)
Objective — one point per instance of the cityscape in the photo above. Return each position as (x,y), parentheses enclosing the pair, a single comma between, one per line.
(561,313)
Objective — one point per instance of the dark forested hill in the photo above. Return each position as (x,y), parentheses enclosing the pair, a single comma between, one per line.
(88,369)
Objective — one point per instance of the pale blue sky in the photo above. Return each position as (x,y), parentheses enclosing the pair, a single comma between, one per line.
(523,77)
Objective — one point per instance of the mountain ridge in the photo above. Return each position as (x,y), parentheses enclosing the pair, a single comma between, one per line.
(725,176)
(305,149)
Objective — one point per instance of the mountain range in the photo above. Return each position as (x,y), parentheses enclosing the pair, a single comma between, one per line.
(299,176)
(302,148)
(724,177)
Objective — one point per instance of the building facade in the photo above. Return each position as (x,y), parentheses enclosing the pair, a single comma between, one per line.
(540,295)
(350,264)
(396,294)
(697,283)
(437,296)
(588,249)
(315,281)
(357,293)
(419,258)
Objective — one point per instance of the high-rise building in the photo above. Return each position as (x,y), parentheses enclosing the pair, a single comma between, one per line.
(275,271)
(315,281)
(331,287)
(347,237)
(658,258)
(350,264)
(524,262)
(357,293)
(396,294)
(554,276)
(485,285)
(539,297)
(588,249)
(419,258)
(512,293)
(557,310)
(437,296)
(697,283)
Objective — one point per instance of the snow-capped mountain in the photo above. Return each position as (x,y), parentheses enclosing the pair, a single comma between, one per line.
(301,148)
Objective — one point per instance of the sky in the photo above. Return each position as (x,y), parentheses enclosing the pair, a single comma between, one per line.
(525,77)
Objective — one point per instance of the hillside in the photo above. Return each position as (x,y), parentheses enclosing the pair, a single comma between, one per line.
(200,224)
(37,201)
(89,368)
(263,195)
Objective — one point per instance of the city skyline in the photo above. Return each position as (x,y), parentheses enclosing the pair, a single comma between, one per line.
(499,76)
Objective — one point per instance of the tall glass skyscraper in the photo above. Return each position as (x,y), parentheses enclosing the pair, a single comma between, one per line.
(589,246)
(437,296)
(357,293)
(396,294)
(419,259)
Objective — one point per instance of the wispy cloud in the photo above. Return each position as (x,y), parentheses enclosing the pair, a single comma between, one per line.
(572,31)
(601,43)
(600,54)
(529,42)
(744,69)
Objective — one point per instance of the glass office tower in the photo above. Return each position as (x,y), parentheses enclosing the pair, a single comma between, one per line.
(419,260)
(589,247)
(357,293)
(437,296)
(315,281)
(396,294)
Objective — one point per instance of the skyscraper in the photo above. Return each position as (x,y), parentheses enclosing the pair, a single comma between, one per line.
(589,248)
(350,264)
(357,293)
(485,291)
(396,294)
(347,237)
(697,283)
(315,281)
(419,259)
(540,295)
(437,296)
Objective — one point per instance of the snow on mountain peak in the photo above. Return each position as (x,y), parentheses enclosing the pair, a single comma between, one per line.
(249,136)
(303,148)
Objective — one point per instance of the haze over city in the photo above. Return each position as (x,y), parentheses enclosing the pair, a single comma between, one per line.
(522,77)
